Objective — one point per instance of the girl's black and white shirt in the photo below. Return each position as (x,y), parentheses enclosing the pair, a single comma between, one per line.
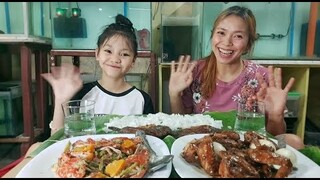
(130,102)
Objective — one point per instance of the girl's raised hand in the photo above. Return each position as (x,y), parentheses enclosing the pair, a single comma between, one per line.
(65,81)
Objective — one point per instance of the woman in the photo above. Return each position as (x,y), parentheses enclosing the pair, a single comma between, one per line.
(220,80)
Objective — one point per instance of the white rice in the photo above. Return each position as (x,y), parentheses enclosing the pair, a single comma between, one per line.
(174,121)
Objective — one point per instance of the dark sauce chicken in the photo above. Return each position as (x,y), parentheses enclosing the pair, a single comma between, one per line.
(237,158)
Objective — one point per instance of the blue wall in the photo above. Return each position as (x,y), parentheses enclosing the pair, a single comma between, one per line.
(99,14)
(272,18)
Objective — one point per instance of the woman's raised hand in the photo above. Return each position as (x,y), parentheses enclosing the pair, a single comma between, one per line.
(181,75)
(273,95)
(65,81)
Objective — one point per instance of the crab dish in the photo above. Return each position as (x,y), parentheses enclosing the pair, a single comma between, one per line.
(119,157)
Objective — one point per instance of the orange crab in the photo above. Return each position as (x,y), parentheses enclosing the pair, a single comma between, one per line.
(120,157)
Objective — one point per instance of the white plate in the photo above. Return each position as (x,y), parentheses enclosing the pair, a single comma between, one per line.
(306,167)
(40,165)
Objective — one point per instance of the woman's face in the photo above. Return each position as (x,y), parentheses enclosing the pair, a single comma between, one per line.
(115,57)
(230,39)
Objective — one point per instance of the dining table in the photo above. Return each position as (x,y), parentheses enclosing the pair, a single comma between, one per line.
(227,118)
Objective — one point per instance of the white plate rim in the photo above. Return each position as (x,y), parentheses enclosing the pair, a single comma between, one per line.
(49,156)
(306,167)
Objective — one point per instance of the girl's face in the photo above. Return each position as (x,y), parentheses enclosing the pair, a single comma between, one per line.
(230,39)
(115,57)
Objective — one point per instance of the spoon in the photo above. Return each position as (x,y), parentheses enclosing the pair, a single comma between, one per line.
(156,162)
(161,162)
(143,136)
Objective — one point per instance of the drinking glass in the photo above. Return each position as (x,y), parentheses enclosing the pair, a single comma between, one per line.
(78,118)
(251,118)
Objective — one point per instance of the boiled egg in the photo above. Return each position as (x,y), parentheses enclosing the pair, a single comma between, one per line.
(217,147)
(264,142)
(288,154)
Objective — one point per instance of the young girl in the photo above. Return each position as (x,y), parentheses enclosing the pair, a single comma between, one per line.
(219,81)
(116,53)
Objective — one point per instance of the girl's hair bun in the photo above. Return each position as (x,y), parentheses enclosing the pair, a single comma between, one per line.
(124,21)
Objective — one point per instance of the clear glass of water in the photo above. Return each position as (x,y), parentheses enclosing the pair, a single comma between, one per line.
(78,118)
(251,118)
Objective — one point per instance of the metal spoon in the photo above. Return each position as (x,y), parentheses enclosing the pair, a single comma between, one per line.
(143,136)
(156,162)
(160,163)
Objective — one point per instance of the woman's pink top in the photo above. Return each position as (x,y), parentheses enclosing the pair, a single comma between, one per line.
(227,94)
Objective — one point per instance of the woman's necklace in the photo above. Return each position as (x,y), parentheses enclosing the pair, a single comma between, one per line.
(228,77)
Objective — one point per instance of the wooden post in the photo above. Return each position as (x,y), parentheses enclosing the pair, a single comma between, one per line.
(311,36)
